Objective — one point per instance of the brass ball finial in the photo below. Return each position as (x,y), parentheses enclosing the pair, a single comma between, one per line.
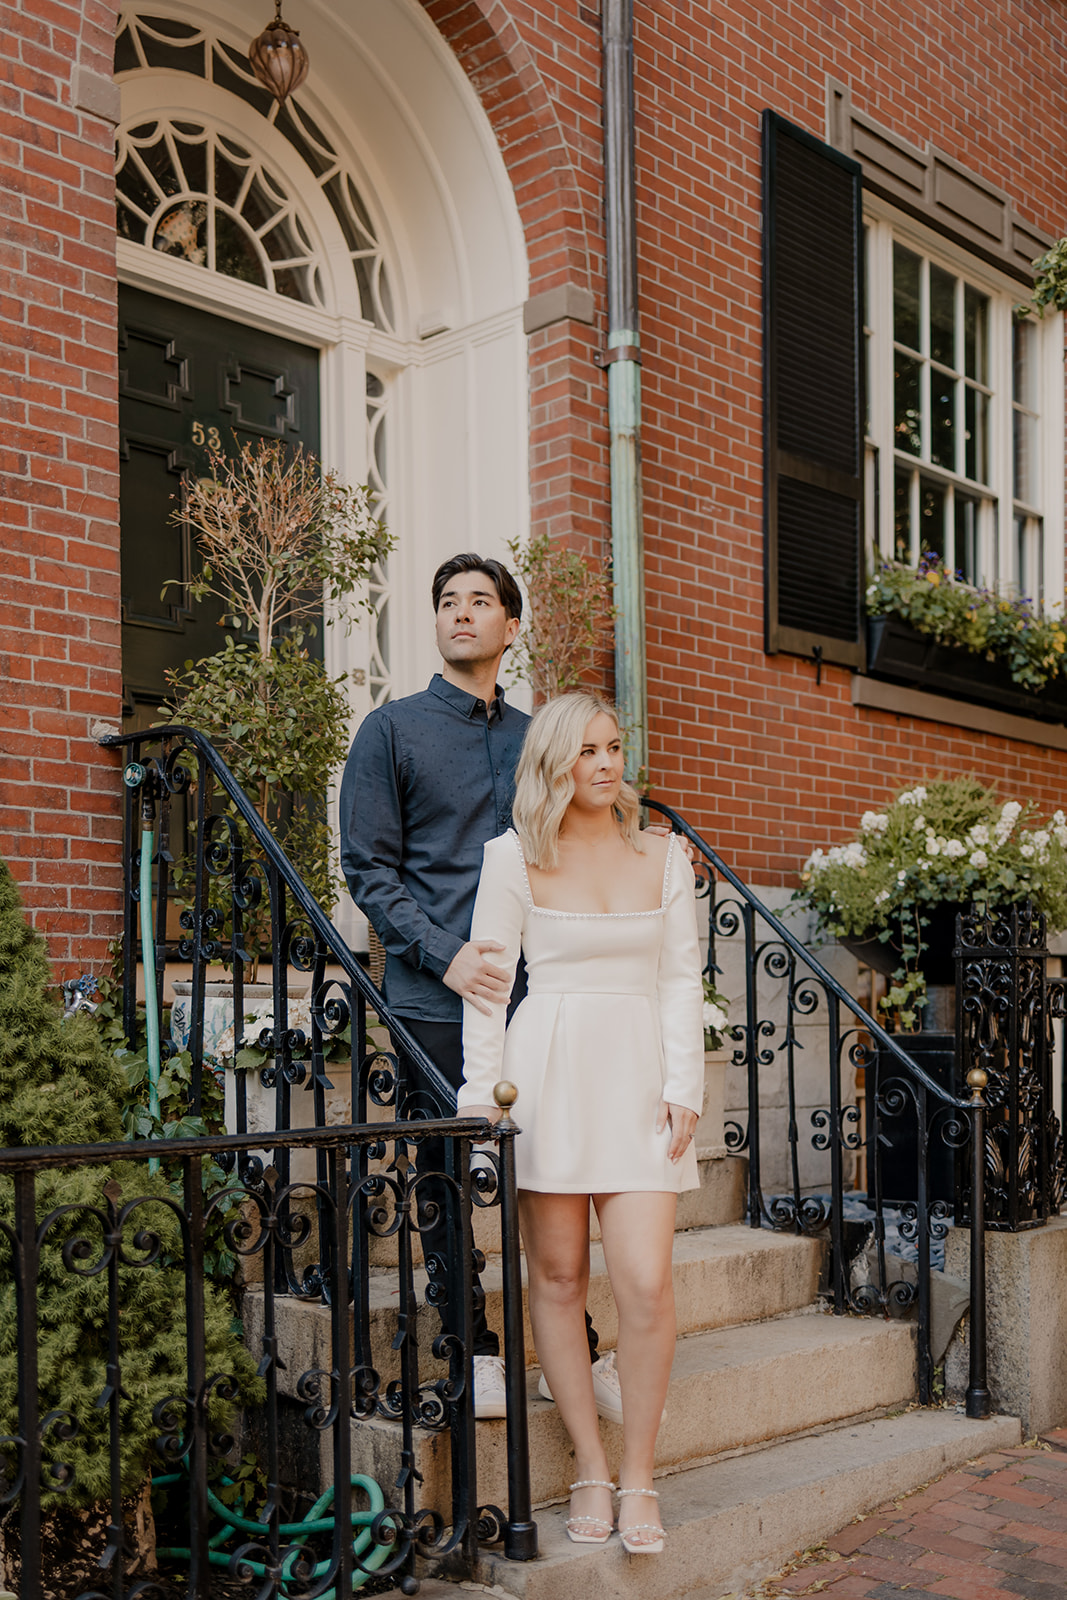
(977,1078)
(505,1094)
(277,57)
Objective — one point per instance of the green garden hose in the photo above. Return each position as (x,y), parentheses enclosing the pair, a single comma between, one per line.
(318,1520)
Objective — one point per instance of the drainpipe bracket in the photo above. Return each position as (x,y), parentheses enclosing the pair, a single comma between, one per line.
(621,352)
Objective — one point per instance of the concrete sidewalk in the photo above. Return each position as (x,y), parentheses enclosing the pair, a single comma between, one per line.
(994,1530)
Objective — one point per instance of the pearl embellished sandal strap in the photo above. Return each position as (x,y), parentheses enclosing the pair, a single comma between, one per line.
(653,1493)
(596,1483)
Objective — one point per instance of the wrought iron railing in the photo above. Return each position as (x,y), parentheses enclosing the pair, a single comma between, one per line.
(120,1235)
(796,1011)
(1006,1007)
(338,1078)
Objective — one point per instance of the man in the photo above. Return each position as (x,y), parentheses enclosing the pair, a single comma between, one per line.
(429,779)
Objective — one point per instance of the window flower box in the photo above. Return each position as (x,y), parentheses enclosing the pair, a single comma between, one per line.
(897,651)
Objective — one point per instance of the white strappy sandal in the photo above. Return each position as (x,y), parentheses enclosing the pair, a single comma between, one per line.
(642,1547)
(575,1522)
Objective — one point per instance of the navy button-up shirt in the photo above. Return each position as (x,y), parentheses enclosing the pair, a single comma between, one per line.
(428,780)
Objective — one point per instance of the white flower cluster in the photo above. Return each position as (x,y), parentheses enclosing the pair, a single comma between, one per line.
(715,1018)
(881,897)
(843,855)
(1009,815)
(978,858)
(913,797)
(979,834)
(874,822)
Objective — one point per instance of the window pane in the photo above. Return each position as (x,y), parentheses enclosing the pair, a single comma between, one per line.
(942,316)
(932,517)
(975,334)
(906,415)
(905,297)
(902,516)
(976,435)
(1025,454)
(1024,387)
(968,554)
(235,254)
(942,419)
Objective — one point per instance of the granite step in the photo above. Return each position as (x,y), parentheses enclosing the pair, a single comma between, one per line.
(731,1388)
(735,1520)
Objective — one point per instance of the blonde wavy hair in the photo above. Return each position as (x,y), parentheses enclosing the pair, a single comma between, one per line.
(544,785)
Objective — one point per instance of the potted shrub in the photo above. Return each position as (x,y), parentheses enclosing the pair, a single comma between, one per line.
(891,893)
(279,538)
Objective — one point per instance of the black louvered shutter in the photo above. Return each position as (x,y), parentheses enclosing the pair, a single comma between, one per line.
(813,395)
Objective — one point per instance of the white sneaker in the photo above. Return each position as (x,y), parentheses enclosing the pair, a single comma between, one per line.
(606,1391)
(490,1396)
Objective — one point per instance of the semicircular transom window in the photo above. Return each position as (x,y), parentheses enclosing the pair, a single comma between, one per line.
(188,191)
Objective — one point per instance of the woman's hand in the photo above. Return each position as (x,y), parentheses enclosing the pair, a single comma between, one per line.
(490,1113)
(684,844)
(683,1126)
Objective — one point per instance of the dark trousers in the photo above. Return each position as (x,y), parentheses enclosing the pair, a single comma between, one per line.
(443,1043)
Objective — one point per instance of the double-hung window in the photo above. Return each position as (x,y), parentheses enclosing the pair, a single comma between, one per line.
(963,458)
(907,408)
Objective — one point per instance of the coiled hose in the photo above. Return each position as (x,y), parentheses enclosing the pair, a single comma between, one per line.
(319,1519)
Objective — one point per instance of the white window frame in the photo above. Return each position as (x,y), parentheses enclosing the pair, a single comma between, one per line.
(886,225)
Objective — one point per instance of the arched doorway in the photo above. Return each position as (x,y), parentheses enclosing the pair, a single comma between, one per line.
(368,228)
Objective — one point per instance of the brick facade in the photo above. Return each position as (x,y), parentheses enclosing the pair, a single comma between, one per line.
(60,820)
(764,759)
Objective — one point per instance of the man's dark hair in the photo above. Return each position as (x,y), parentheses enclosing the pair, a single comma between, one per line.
(508,592)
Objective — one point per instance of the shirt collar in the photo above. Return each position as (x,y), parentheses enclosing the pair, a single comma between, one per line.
(468,704)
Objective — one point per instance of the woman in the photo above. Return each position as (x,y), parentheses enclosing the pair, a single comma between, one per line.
(607,1054)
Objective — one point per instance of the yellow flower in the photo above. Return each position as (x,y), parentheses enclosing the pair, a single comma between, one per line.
(934,578)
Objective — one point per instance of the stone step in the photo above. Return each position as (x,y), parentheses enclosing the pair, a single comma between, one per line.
(736,1520)
(722,1277)
(733,1388)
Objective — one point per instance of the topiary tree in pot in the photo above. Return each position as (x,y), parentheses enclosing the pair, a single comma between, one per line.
(280,538)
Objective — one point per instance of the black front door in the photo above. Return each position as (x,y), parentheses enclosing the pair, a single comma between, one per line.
(189,382)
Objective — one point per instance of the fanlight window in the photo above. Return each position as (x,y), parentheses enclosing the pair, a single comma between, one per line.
(190,192)
(249,229)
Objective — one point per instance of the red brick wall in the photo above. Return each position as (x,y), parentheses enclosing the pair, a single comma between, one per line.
(765,760)
(59,569)
(758,754)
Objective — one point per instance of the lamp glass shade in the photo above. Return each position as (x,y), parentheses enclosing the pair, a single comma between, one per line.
(278,59)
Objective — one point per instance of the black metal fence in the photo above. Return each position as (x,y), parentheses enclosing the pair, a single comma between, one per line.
(329,1102)
(1007,1006)
(364,1368)
(800,1022)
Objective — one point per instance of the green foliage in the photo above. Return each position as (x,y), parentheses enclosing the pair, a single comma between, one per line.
(1050,281)
(59,1085)
(943,842)
(935,600)
(570,616)
(280,723)
(278,536)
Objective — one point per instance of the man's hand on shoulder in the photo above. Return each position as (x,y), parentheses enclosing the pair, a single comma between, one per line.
(474,978)
(685,844)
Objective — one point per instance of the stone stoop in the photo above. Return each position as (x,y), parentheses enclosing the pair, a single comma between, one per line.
(733,1521)
(731,1388)
(722,1276)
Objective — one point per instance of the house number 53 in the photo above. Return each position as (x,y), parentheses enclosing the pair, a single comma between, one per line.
(208,436)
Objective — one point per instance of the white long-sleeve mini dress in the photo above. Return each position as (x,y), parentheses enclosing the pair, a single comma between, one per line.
(612,1024)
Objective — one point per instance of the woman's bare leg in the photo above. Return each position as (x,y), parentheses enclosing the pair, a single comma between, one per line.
(555,1236)
(638,1236)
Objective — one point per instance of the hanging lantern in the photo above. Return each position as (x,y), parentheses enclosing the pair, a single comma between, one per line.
(277,57)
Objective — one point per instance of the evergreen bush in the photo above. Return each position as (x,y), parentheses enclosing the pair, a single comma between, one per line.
(60,1086)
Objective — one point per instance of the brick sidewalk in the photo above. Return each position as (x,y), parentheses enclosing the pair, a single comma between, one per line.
(994,1530)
